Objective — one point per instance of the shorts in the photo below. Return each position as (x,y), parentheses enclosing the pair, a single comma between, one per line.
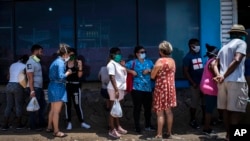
(197,98)
(232,96)
(112,94)
(104,93)
(211,103)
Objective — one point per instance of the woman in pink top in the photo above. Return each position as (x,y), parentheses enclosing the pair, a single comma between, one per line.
(209,87)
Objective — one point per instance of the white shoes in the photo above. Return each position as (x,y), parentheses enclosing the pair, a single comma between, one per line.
(85,125)
(69,127)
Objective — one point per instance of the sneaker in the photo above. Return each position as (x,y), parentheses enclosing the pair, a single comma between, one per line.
(120,130)
(5,127)
(194,124)
(150,128)
(69,127)
(208,131)
(85,125)
(114,133)
(20,126)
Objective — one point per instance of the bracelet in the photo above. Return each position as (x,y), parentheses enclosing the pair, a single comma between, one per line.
(32,92)
(80,70)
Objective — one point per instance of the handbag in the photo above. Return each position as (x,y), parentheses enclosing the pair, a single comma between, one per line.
(129,80)
(33,105)
(116,110)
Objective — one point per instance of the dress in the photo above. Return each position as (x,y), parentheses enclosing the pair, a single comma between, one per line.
(165,92)
(56,88)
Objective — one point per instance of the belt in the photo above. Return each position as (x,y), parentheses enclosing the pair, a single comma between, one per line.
(72,82)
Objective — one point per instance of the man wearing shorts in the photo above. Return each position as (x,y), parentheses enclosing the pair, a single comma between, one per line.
(232,86)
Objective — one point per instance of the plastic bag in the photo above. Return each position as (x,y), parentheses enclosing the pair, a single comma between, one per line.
(33,105)
(116,110)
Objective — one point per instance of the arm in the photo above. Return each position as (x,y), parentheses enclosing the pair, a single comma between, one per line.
(30,76)
(187,75)
(155,69)
(113,82)
(79,72)
(129,66)
(61,72)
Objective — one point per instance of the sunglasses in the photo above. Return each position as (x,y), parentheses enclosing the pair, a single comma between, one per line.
(141,52)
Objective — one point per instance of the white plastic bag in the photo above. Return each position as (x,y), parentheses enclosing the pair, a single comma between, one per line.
(116,110)
(33,105)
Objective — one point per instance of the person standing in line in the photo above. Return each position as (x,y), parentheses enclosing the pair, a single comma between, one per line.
(35,87)
(209,87)
(193,69)
(232,85)
(142,87)
(15,93)
(116,88)
(57,93)
(104,78)
(73,87)
(164,93)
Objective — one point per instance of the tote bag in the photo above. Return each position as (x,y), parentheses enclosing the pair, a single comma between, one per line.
(129,80)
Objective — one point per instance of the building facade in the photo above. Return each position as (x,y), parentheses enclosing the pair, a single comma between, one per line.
(94,26)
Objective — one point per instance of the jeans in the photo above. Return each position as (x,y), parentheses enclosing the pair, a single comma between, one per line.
(37,118)
(15,96)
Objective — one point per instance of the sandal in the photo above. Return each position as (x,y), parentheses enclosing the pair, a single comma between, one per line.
(59,134)
(49,130)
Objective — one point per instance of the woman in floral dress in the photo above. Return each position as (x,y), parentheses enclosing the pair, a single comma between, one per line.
(164,93)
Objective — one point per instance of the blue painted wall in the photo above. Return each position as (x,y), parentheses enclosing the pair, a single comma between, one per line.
(209,24)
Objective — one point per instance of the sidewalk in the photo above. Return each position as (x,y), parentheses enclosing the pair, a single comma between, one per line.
(96,115)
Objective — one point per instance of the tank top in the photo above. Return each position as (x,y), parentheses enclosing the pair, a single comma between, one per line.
(208,86)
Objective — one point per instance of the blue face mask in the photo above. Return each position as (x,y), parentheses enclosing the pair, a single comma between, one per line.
(118,58)
(142,55)
(243,38)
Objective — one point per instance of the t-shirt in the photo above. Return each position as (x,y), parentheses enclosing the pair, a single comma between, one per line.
(141,82)
(120,74)
(15,69)
(103,73)
(35,67)
(195,66)
(226,56)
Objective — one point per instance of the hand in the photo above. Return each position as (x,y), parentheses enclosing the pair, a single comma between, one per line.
(68,72)
(219,78)
(79,64)
(133,73)
(116,94)
(146,71)
(32,94)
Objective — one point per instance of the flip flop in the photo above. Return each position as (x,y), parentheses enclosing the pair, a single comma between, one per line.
(59,134)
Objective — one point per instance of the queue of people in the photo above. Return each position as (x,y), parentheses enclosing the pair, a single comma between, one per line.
(215,83)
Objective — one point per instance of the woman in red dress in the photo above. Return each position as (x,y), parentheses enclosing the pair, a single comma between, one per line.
(164,93)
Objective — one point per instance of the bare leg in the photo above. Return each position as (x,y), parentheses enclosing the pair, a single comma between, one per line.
(169,119)
(111,119)
(56,111)
(50,118)
(160,122)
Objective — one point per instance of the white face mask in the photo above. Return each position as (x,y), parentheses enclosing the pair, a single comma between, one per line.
(67,59)
(142,55)
(196,49)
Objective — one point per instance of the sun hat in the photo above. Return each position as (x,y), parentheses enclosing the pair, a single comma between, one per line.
(238,28)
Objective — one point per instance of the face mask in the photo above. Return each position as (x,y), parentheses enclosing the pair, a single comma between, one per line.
(67,59)
(36,58)
(72,57)
(118,58)
(196,49)
(243,38)
(142,55)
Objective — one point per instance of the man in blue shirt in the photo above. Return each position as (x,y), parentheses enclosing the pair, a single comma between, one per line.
(193,69)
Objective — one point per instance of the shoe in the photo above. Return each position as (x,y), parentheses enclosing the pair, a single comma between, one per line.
(85,125)
(208,131)
(120,130)
(150,128)
(156,138)
(20,126)
(114,133)
(194,124)
(173,137)
(5,127)
(69,127)
(59,134)
(138,130)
